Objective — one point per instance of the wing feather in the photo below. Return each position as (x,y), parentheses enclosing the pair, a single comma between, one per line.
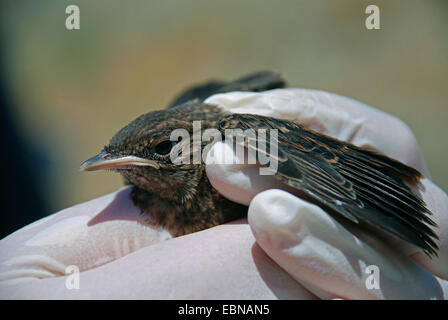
(359,184)
(256,82)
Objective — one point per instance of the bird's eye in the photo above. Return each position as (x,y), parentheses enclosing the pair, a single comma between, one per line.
(164,147)
(223,124)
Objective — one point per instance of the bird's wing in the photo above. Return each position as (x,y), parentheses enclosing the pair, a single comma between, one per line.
(200,92)
(256,82)
(359,184)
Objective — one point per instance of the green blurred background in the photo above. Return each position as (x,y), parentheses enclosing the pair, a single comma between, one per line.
(73,90)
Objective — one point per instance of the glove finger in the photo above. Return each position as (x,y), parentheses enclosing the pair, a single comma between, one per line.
(237,182)
(328,259)
(88,235)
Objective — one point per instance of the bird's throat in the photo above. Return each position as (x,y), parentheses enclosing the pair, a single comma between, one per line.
(207,209)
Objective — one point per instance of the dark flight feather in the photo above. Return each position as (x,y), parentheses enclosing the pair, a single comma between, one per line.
(359,184)
(257,82)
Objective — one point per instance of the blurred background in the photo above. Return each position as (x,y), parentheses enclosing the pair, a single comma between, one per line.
(64,93)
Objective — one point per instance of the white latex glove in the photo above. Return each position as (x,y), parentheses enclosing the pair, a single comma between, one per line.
(326,257)
(120,256)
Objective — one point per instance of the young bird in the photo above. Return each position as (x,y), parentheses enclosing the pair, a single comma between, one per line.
(361,186)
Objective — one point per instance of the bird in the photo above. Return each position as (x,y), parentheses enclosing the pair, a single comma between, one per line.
(357,185)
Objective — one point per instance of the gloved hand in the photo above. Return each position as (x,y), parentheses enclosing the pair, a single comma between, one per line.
(120,256)
(330,259)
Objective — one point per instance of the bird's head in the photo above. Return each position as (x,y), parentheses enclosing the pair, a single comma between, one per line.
(143,151)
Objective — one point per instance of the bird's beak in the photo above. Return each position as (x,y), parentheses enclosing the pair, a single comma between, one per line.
(105,160)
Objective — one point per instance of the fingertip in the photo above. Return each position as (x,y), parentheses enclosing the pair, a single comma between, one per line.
(273,209)
(280,219)
(232,178)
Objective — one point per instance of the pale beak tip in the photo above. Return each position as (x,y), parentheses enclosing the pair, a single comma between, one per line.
(84,166)
(94,163)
